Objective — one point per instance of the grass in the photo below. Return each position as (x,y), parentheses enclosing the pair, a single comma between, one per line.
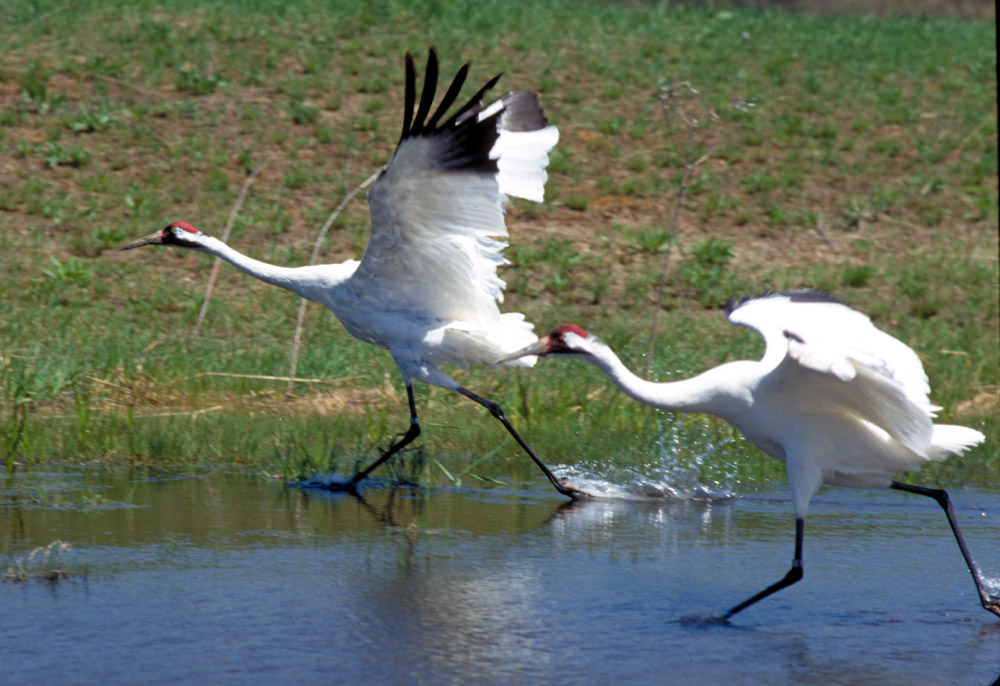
(849,153)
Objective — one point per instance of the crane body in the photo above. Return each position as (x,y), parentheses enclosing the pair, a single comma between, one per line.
(837,400)
(426,288)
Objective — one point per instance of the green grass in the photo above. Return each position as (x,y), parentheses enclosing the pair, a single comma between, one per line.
(848,153)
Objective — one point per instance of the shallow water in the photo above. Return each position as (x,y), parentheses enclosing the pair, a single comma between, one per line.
(225,578)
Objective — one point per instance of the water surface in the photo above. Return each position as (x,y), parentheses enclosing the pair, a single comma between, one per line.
(226,578)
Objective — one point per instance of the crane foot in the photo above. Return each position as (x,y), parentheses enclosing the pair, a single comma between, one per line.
(992,603)
(571,491)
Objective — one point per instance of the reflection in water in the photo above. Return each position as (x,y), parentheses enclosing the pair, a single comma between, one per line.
(225,578)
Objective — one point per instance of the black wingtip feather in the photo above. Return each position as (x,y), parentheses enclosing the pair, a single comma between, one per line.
(463,141)
(474,105)
(427,95)
(811,295)
(449,98)
(801,295)
(409,96)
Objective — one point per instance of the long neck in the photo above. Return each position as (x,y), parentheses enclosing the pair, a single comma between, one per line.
(307,282)
(707,392)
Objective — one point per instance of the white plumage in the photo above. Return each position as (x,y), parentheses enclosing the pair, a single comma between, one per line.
(827,370)
(427,288)
(836,399)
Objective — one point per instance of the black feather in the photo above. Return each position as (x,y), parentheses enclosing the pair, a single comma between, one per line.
(474,104)
(463,142)
(811,295)
(408,97)
(449,98)
(427,96)
(802,295)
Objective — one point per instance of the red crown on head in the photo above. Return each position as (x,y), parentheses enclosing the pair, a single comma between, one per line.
(571,328)
(185,226)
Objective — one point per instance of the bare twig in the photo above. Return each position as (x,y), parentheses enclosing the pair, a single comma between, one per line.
(31,24)
(262,377)
(821,230)
(129,390)
(340,208)
(666,97)
(193,414)
(299,323)
(126,84)
(669,92)
(225,236)
(957,150)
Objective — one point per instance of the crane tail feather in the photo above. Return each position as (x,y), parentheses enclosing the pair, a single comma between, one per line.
(951,439)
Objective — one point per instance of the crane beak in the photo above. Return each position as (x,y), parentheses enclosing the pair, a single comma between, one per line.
(539,347)
(152,239)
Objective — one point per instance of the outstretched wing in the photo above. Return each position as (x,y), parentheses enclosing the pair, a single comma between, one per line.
(812,338)
(437,208)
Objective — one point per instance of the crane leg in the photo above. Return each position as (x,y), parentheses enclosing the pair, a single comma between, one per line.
(497,411)
(793,575)
(990,601)
(351,486)
(405,440)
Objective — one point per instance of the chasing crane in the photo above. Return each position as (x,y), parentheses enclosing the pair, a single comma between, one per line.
(837,400)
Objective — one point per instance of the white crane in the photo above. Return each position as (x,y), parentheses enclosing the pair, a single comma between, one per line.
(427,288)
(837,400)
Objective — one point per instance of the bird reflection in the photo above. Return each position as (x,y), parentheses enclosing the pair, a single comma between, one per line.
(395,508)
(470,583)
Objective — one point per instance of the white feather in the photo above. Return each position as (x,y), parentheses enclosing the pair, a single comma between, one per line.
(522,157)
(435,245)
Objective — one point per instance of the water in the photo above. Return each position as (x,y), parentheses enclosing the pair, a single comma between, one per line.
(229,579)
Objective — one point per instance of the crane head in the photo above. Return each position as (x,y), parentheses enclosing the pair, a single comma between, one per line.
(568,339)
(177,234)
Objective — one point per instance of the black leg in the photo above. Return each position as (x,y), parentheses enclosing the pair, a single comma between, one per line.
(794,574)
(990,602)
(406,439)
(351,486)
(497,412)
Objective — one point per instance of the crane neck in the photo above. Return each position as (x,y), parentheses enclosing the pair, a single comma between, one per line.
(302,281)
(707,392)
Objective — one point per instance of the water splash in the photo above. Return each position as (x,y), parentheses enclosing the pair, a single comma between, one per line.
(992,583)
(668,476)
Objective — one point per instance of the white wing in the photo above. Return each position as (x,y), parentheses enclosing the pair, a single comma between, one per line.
(814,339)
(437,209)
(522,149)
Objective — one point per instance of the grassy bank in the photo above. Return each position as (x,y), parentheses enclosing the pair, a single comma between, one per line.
(851,154)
